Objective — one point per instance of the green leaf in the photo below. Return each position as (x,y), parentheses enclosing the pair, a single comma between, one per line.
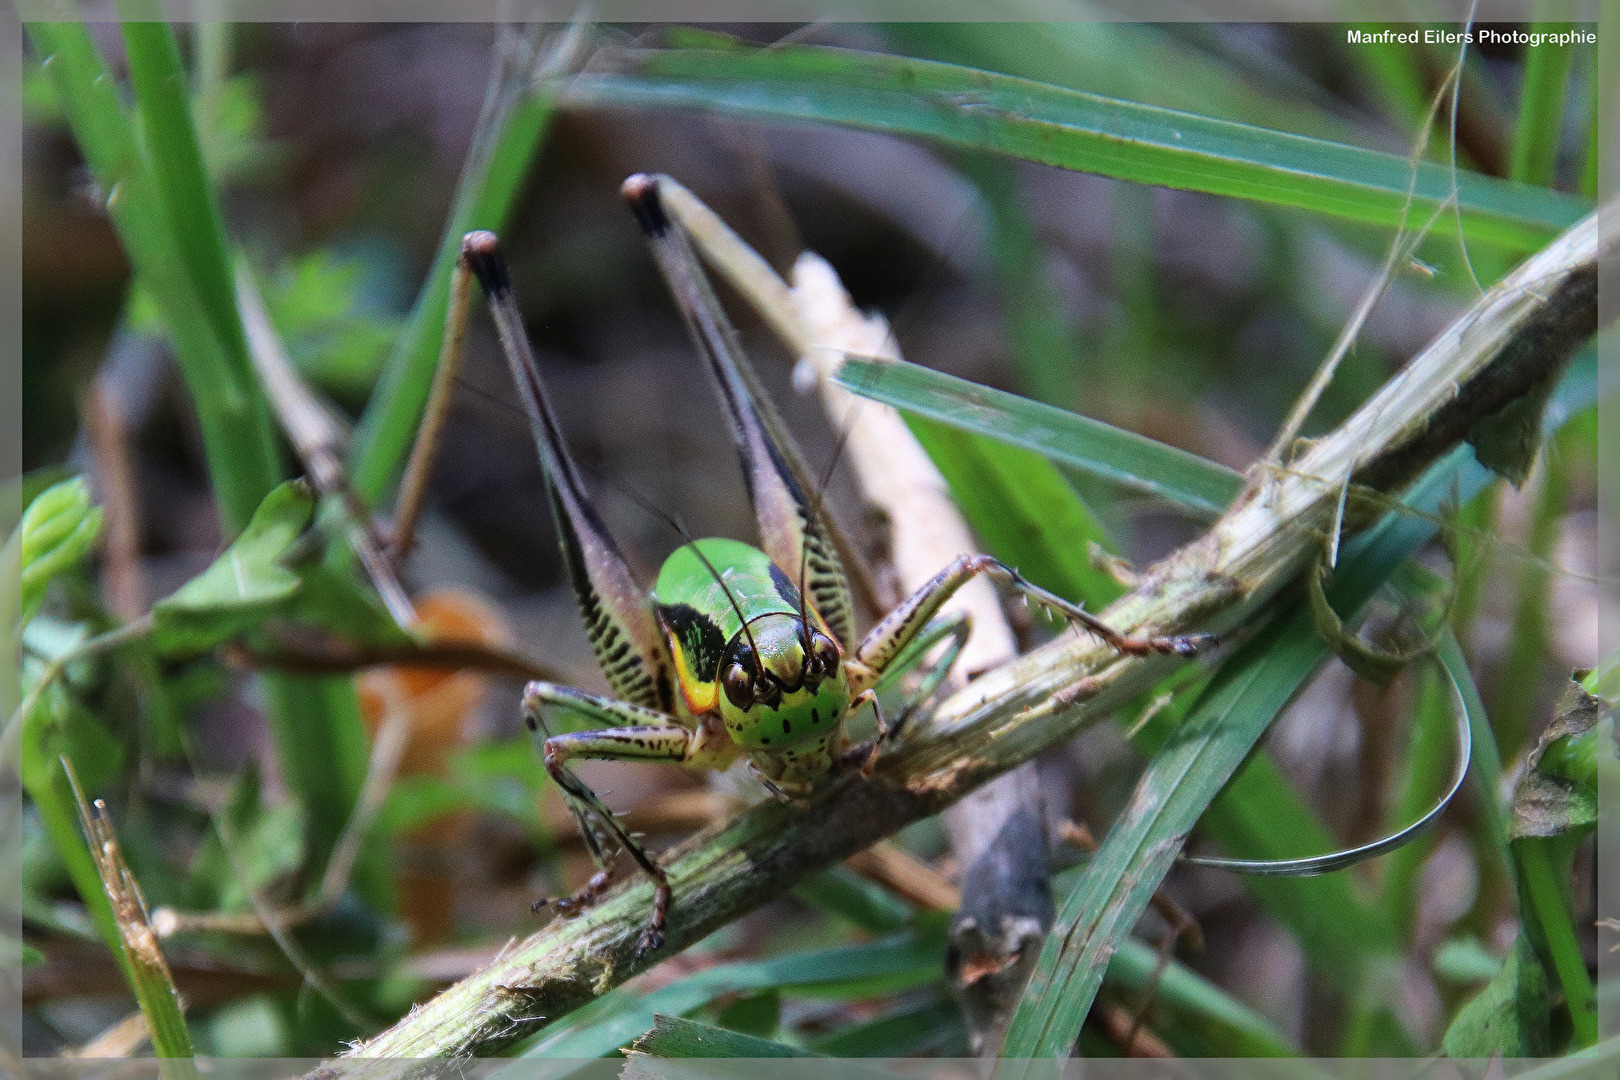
(1201,487)
(1056,126)
(318,305)
(334,599)
(1507,442)
(1465,960)
(1510,1017)
(243,584)
(58,529)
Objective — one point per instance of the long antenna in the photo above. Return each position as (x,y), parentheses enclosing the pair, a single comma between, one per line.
(680,528)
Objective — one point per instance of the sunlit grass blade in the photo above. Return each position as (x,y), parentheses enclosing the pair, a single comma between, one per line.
(1201,487)
(1056,126)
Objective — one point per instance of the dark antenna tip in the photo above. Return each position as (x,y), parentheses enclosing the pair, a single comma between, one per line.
(481,251)
(641,192)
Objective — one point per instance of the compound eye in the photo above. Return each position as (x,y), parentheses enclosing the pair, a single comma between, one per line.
(738,682)
(825,652)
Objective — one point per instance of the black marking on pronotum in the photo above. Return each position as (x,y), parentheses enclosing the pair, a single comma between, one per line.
(700,637)
(482,253)
(641,192)
(785,589)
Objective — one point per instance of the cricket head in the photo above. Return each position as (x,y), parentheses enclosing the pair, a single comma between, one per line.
(782,684)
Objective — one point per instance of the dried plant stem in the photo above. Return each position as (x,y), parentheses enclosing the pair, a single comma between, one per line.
(1514,338)
(149,971)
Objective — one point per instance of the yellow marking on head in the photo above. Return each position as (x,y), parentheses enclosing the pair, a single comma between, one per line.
(700,696)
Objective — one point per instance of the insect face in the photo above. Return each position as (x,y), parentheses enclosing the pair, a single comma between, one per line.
(784,694)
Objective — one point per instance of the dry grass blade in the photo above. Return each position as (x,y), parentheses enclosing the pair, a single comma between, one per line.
(149,972)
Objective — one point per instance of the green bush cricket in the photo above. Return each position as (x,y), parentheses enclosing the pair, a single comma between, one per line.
(738,651)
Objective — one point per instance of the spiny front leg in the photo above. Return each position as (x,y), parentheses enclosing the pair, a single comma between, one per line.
(647,736)
(891,636)
(954,628)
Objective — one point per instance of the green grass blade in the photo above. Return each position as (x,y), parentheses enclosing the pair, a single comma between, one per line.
(935,1027)
(237,434)
(1098,449)
(318,732)
(1545,869)
(1239,704)
(489,186)
(1121,60)
(866,970)
(867,905)
(1056,126)
(1022,509)
(174,156)
(1540,128)
(1260,815)
(1196,1016)
(676,1037)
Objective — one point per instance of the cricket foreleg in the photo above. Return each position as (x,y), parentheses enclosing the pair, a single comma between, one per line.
(891,636)
(647,735)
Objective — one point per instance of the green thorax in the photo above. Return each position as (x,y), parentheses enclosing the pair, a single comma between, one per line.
(757,587)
